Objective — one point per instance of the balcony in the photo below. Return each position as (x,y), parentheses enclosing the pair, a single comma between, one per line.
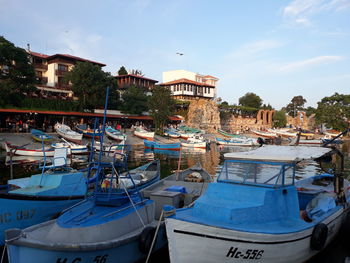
(41,80)
(61,72)
(40,66)
(62,86)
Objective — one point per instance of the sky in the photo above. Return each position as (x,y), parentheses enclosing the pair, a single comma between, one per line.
(276,49)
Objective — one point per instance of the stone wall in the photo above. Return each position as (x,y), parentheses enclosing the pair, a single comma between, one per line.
(302,121)
(204,115)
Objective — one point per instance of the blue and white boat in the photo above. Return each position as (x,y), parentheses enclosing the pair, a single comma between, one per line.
(257,212)
(41,197)
(40,136)
(115,134)
(87,132)
(162,146)
(171,132)
(237,141)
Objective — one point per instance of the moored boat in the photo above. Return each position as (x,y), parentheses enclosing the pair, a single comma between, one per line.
(144,134)
(265,134)
(67,133)
(88,132)
(237,141)
(12,149)
(196,141)
(256,210)
(171,132)
(72,147)
(40,136)
(162,146)
(227,134)
(115,134)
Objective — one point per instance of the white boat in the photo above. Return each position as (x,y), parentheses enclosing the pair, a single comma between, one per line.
(67,133)
(72,147)
(21,150)
(285,133)
(256,212)
(110,147)
(142,133)
(265,134)
(237,141)
(115,134)
(196,141)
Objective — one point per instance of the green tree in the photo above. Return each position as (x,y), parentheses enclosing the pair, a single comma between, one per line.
(134,100)
(279,119)
(161,106)
(250,100)
(89,84)
(17,75)
(122,71)
(296,104)
(334,111)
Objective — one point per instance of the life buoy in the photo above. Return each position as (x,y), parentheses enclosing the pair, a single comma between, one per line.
(319,236)
(146,238)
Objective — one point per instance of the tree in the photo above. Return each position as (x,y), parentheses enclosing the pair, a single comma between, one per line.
(17,75)
(89,84)
(161,106)
(296,104)
(279,119)
(122,71)
(134,100)
(250,100)
(334,111)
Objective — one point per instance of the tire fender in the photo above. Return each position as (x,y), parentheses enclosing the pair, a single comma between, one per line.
(319,236)
(146,238)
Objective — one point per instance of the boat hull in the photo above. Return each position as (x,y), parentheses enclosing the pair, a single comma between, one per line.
(201,145)
(226,245)
(145,135)
(24,211)
(28,152)
(162,146)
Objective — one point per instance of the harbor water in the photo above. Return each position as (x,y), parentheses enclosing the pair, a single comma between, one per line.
(211,159)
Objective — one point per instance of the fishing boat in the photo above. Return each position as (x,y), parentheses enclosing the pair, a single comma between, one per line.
(12,149)
(189,129)
(257,211)
(196,141)
(87,132)
(265,134)
(41,197)
(237,141)
(150,153)
(115,134)
(72,147)
(228,134)
(171,132)
(331,133)
(67,133)
(162,146)
(40,136)
(110,147)
(285,133)
(144,134)
(186,135)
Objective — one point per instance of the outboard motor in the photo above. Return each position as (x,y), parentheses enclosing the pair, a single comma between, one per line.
(261,141)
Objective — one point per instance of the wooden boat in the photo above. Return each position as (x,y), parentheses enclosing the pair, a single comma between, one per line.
(256,211)
(144,134)
(162,146)
(115,134)
(21,150)
(331,133)
(87,132)
(42,196)
(196,141)
(228,134)
(173,133)
(67,133)
(40,136)
(285,133)
(110,147)
(265,134)
(237,141)
(72,147)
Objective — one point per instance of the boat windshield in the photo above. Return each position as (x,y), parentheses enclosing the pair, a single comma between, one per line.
(259,173)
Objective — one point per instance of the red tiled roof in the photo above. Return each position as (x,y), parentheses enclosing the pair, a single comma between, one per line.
(186,81)
(211,77)
(75,58)
(35,54)
(84,114)
(135,76)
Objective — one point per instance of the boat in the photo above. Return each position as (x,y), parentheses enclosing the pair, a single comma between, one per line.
(237,141)
(143,134)
(228,134)
(67,133)
(87,132)
(150,153)
(40,136)
(72,147)
(265,134)
(162,146)
(41,197)
(307,134)
(171,132)
(189,129)
(110,147)
(331,133)
(285,133)
(196,141)
(12,149)
(186,135)
(256,210)
(115,134)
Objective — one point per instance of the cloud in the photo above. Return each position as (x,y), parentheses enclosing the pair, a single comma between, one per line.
(309,63)
(300,12)
(255,48)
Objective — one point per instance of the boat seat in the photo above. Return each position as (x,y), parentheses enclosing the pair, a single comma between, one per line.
(59,159)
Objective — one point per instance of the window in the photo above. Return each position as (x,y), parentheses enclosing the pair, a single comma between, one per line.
(62,67)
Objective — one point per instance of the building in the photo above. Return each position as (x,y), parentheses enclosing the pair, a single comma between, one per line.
(50,71)
(126,81)
(186,85)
